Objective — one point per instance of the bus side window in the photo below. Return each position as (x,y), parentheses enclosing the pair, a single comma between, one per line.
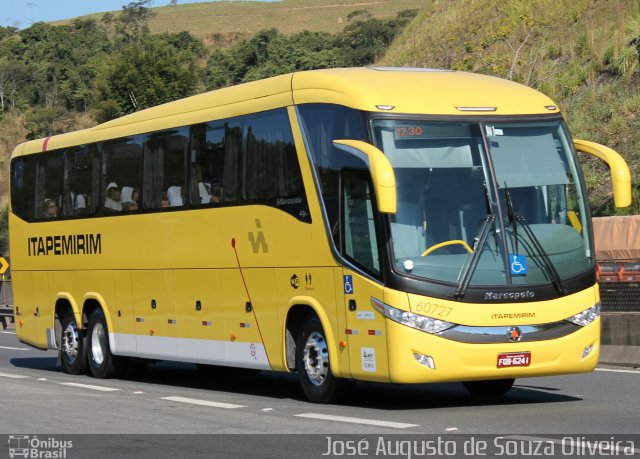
(81,181)
(359,238)
(207,160)
(270,170)
(165,169)
(49,180)
(122,166)
(23,199)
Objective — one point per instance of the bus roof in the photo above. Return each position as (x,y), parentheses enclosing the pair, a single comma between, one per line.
(373,89)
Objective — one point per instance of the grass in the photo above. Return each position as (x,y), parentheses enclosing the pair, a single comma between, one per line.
(207,20)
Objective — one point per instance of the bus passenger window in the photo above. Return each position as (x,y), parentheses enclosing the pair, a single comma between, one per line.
(270,170)
(360,242)
(23,203)
(165,168)
(82,181)
(49,180)
(122,166)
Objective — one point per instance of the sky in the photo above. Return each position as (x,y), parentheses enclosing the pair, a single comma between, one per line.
(23,13)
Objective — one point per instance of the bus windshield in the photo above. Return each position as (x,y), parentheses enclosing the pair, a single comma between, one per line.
(515,182)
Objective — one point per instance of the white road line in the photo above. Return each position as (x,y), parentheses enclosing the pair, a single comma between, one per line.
(612,370)
(195,401)
(15,348)
(8,332)
(89,386)
(370,422)
(12,376)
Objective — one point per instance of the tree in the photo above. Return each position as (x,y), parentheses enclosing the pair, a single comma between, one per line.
(142,76)
(133,22)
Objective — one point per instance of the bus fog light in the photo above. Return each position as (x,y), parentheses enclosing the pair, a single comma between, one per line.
(586,351)
(425,360)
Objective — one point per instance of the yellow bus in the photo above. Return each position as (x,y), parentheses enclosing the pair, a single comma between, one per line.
(373,224)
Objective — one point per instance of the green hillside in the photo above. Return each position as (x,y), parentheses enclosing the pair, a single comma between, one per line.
(209,20)
(583,53)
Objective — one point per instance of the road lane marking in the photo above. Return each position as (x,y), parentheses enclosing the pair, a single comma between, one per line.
(12,376)
(8,332)
(195,401)
(370,422)
(612,370)
(89,386)
(15,348)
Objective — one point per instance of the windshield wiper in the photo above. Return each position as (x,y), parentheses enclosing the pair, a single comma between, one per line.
(514,219)
(470,263)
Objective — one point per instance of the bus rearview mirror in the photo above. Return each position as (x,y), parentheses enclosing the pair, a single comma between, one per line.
(382,175)
(620,174)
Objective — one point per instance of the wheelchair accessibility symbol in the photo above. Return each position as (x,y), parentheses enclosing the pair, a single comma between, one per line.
(518,265)
(348,285)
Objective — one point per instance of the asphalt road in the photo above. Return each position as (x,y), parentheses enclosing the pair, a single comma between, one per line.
(171,398)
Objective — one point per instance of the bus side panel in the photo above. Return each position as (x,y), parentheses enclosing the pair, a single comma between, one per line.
(244,346)
(42,306)
(197,296)
(260,283)
(122,338)
(367,335)
(98,285)
(155,314)
(23,307)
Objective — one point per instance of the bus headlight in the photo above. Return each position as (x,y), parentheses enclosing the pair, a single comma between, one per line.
(423,323)
(587,316)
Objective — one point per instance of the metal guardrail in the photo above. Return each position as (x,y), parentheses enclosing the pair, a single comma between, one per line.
(6,303)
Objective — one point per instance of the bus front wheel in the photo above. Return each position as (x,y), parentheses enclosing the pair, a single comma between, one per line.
(312,361)
(102,363)
(491,388)
(72,345)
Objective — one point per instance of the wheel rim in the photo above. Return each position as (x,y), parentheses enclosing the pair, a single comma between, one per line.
(71,342)
(316,359)
(98,344)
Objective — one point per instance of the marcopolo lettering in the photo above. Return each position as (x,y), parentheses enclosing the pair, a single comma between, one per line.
(526,294)
(71,244)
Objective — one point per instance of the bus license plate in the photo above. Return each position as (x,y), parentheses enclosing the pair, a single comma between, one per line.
(520,359)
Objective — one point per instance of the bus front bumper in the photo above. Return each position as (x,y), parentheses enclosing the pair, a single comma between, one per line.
(419,357)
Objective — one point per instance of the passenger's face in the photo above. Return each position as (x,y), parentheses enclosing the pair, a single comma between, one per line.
(52,209)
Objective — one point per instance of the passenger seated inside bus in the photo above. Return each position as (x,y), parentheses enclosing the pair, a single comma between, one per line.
(130,198)
(113,203)
(210,191)
(49,209)
(174,196)
(80,204)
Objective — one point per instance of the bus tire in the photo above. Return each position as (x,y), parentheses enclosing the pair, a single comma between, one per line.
(102,364)
(312,361)
(72,345)
(491,388)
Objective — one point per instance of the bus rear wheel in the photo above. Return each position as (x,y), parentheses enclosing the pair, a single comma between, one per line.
(491,388)
(312,361)
(72,345)
(102,363)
